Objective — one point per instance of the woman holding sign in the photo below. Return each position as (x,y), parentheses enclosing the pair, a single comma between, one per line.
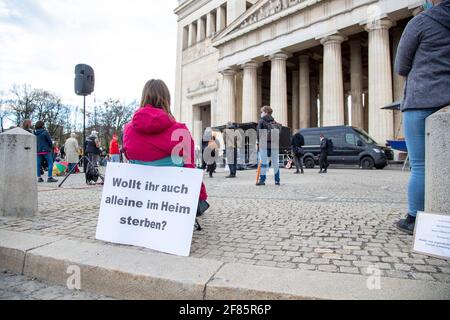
(155,138)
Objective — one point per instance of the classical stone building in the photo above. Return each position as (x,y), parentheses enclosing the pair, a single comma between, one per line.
(316,62)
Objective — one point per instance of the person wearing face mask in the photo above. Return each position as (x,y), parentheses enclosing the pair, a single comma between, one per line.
(423,57)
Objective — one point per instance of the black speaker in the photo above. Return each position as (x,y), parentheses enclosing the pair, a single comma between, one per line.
(84,80)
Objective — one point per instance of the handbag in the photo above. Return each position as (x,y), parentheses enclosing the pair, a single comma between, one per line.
(203,206)
(300,151)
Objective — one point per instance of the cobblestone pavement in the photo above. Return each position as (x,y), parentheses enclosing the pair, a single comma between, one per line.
(14,287)
(340,222)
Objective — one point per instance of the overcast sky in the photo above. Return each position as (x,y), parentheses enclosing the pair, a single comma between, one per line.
(127,42)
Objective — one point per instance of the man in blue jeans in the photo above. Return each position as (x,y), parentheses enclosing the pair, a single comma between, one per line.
(44,151)
(423,58)
(269,145)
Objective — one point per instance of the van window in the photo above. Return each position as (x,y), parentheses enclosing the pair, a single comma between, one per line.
(351,139)
(364,137)
(312,140)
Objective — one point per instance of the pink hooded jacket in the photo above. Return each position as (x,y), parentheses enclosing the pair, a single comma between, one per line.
(148,137)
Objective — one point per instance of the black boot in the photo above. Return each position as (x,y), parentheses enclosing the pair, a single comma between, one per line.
(407,225)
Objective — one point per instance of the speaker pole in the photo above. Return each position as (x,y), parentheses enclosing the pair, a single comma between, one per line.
(84,131)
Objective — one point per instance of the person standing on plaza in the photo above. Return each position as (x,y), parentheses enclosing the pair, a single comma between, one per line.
(269,145)
(231,145)
(92,147)
(298,141)
(423,57)
(71,148)
(324,152)
(114,149)
(44,151)
(210,153)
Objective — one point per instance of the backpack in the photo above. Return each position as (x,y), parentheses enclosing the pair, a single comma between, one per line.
(330,146)
(92,174)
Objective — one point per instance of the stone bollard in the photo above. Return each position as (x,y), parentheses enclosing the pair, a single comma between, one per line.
(437,168)
(18,182)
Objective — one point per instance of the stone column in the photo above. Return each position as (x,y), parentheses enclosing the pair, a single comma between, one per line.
(239,80)
(250,92)
(321,94)
(18,182)
(210,25)
(295,101)
(333,87)
(192,35)
(381,122)
(228,102)
(220,19)
(356,74)
(278,90)
(437,172)
(305,99)
(201,30)
(398,86)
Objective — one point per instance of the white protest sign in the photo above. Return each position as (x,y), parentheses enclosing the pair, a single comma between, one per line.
(151,207)
(432,235)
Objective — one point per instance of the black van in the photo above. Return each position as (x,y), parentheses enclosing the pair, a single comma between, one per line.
(351,146)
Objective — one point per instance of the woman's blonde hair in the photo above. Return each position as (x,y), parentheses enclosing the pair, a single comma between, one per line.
(156,94)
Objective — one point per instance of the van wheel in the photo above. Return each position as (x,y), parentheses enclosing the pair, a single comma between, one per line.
(367,163)
(309,163)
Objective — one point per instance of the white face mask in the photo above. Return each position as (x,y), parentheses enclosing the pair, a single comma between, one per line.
(263,114)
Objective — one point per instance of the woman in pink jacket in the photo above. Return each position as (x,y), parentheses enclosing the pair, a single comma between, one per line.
(154,137)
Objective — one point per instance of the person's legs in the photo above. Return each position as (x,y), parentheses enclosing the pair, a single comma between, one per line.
(115,158)
(414,127)
(297,162)
(264,164)
(300,159)
(275,156)
(414,122)
(39,164)
(322,162)
(49,158)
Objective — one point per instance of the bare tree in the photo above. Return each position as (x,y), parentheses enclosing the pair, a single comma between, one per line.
(110,119)
(23,103)
(4,111)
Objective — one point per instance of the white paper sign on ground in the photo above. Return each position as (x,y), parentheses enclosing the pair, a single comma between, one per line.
(151,207)
(432,235)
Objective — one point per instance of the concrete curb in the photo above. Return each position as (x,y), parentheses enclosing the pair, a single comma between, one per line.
(129,273)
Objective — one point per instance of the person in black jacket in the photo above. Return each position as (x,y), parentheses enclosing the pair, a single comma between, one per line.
(92,147)
(323,161)
(44,151)
(298,141)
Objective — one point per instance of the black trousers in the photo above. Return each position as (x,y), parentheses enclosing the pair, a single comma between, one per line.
(210,168)
(298,159)
(323,161)
(233,169)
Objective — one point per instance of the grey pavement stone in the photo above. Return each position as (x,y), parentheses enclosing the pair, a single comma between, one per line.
(258,226)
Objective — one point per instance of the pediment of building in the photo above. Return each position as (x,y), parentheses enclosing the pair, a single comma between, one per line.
(261,13)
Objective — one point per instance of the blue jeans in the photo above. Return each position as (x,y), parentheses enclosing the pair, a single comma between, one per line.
(414,126)
(49,158)
(115,158)
(274,155)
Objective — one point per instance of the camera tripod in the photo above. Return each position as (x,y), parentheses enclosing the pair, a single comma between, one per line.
(87,163)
